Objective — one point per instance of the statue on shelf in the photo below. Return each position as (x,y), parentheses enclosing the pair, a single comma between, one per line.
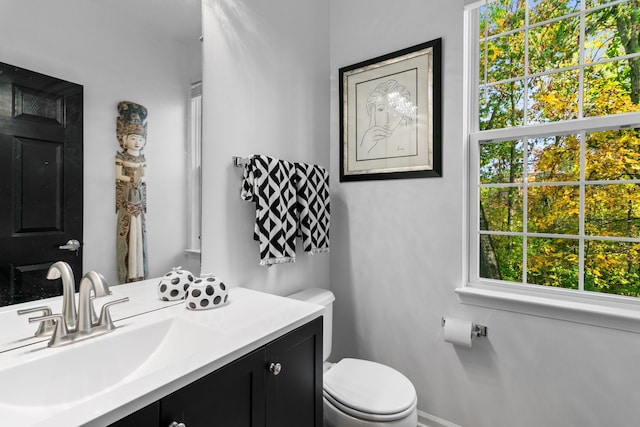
(131,193)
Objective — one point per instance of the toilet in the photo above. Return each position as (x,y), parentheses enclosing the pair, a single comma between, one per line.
(356,392)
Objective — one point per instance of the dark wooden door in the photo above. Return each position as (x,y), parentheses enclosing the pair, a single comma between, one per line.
(294,395)
(40,181)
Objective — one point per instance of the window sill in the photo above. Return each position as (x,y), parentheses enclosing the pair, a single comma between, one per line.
(195,252)
(614,313)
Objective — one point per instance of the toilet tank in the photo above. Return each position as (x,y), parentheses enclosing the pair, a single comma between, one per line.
(325,298)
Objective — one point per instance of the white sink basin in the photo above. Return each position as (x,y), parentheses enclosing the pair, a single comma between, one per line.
(48,377)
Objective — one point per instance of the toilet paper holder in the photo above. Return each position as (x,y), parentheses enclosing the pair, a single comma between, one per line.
(476,330)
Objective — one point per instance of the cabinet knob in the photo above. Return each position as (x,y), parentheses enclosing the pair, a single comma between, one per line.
(275,368)
(177,424)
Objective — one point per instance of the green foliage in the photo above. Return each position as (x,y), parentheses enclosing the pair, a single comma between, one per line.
(552,165)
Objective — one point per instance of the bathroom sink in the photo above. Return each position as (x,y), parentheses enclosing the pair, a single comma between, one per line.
(156,349)
(43,377)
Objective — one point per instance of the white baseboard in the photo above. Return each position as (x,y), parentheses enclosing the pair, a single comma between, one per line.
(428,420)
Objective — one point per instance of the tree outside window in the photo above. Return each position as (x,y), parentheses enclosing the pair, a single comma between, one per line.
(559,189)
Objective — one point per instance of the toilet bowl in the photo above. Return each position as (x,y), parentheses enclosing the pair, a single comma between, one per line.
(356,392)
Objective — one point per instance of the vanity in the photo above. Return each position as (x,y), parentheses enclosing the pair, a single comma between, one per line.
(256,361)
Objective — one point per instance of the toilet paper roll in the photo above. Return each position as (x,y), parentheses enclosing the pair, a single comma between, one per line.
(458,332)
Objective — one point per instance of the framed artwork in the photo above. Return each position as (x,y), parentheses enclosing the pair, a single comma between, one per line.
(391,115)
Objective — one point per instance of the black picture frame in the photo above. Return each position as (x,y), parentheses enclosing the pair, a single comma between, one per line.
(391,115)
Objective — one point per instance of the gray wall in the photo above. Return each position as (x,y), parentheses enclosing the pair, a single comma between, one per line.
(266,91)
(398,254)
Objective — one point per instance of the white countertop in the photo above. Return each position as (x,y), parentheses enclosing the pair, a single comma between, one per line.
(250,320)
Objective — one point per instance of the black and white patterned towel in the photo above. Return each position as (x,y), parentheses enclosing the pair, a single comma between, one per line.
(270,184)
(312,187)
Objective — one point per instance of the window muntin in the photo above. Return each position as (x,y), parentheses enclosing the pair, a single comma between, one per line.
(556,195)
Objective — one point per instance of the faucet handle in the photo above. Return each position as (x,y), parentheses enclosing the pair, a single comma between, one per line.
(92,310)
(46,326)
(105,314)
(60,328)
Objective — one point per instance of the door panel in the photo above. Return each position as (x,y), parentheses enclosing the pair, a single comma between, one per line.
(230,396)
(40,181)
(38,192)
(32,104)
(294,395)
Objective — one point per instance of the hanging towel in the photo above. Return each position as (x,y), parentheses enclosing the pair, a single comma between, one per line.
(269,183)
(312,194)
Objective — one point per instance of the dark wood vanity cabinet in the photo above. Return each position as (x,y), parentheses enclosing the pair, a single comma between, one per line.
(228,397)
(145,417)
(278,385)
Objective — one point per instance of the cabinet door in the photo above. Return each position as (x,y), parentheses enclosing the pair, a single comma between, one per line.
(230,396)
(294,395)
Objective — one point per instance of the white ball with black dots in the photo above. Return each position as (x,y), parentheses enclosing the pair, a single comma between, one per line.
(206,293)
(174,285)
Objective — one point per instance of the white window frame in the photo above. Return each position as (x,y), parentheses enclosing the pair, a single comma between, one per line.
(604,310)
(194,180)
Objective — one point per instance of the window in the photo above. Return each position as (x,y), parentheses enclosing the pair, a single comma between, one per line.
(193,168)
(554,135)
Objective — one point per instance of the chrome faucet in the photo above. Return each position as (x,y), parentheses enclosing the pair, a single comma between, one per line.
(86,313)
(72,326)
(58,270)
(62,270)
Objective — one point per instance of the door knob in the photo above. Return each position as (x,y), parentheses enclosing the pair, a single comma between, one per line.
(72,245)
(275,368)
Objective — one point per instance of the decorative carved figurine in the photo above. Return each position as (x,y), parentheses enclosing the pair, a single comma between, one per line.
(131,193)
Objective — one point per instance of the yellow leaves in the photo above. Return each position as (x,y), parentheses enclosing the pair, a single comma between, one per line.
(555,96)
(571,258)
(606,95)
(494,52)
(613,154)
(554,209)
(552,100)
(628,138)
(552,262)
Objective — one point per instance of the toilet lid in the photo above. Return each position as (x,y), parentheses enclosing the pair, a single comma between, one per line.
(369,388)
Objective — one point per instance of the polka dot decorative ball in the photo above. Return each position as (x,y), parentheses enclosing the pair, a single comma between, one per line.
(173,285)
(206,293)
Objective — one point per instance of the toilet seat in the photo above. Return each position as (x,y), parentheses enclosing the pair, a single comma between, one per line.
(369,391)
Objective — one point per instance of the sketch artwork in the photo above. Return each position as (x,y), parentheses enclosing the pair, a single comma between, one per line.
(391,127)
(131,193)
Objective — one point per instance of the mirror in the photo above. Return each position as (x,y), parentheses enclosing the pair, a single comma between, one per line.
(144,51)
